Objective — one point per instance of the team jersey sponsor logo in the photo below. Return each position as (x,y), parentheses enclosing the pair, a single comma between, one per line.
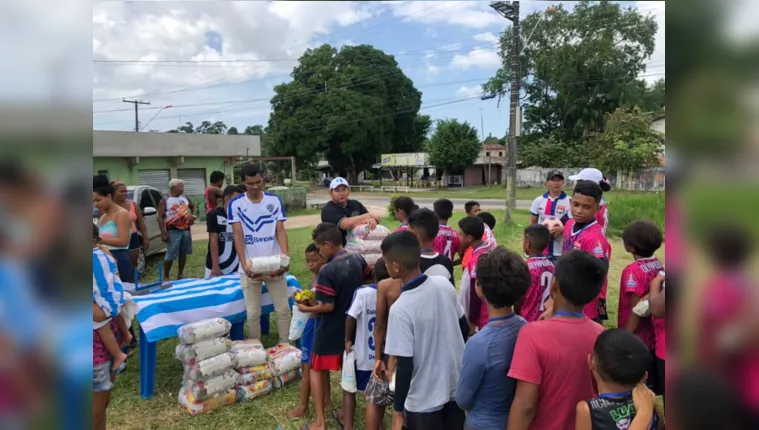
(250,239)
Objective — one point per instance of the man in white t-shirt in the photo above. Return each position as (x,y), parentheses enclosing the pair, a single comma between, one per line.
(258,223)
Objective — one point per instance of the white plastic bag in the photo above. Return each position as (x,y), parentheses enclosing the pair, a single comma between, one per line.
(249,392)
(191,354)
(298,323)
(196,407)
(464,292)
(642,309)
(371,259)
(348,381)
(268,265)
(362,232)
(283,358)
(203,330)
(250,357)
(205,389)
(244,345)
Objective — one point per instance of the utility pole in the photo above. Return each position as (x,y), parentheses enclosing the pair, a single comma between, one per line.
(136,104)
(510,11)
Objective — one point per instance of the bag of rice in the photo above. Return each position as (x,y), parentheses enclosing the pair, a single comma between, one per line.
(199,407)
(362,232)
(371,259)
(244,345)
(286,378)
(203,330)
(251,375)
(268,265)
(250,357)
(205,389)
(283,358)
(210,367)
(249,392)
(191,354)
(364,246)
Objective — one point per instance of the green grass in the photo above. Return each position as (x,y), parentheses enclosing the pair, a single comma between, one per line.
(498,192)
(129,411)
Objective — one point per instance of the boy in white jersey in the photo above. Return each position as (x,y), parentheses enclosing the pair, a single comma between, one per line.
(359,337)
(258,222)
(554,203)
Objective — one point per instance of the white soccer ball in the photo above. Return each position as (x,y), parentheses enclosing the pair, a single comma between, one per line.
(553,222)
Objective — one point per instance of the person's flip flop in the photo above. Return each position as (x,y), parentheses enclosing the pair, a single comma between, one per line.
(336,417)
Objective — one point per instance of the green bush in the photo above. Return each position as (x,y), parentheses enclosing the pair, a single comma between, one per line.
(390,207)
(200,203)
(628,207)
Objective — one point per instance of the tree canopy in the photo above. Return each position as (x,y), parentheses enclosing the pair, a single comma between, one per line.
(348,105)
(578,66)
(454,146)
(627,143)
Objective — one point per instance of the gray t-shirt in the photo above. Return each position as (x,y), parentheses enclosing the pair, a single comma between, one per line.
(424,324)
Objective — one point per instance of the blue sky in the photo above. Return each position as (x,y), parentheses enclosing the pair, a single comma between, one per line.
(447,48)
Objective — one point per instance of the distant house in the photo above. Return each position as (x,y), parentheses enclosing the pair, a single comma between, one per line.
(487,168)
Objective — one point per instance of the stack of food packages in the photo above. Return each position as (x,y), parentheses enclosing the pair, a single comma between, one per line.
(255,378)
(367,242)
(209,379)
(284,363)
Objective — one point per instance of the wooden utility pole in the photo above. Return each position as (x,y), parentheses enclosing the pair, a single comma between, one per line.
(136,104)
(510,11)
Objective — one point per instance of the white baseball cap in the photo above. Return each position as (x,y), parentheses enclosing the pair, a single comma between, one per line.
(337,182)
(589,174)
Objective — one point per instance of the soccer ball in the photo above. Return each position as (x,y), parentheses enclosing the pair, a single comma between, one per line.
(552,222)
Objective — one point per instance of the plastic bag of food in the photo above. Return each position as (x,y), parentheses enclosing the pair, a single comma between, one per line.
(371,259)
(249,392)
(642,309)
(203,330)
(210,367)
(251,375)
(207,388)
(244,345)
(286,378)
(298,323)
(250,357)
(191,354)
(195,407)
(362,232)
(348,380)
(283,358)
(268,265)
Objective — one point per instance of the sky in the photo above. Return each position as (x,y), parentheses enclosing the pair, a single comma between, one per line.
(219,61)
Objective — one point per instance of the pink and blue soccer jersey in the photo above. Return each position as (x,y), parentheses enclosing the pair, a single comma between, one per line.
(636,279)
(447,242)
(591,240)
(541,273)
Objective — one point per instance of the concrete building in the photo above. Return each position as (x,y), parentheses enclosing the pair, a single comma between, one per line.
(487,169)
(154,158)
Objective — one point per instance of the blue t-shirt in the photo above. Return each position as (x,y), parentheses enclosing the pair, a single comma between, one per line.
(485,391)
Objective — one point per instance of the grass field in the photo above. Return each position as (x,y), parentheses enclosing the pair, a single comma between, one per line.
(499,192)
(129,411)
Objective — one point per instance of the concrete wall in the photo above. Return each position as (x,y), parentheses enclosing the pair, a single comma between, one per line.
(132,144)
(644,180)
(473,176)
(119,170)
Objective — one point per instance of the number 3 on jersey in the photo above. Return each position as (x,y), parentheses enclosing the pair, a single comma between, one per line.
(371,333)
(545,284)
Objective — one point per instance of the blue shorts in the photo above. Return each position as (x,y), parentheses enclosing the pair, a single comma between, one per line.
(101,377)
(307,340)
(362,378)
(179,243)
(124,264)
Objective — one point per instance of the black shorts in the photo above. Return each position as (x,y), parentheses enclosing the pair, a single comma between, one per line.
(450,417)
(655,380)
(135,241)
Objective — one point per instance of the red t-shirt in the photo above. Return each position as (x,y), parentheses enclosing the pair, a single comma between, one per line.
(447,242)
(636,279)
(402,227)
(541,272)
(554,355)
(209,204)
(724,299)
(591,240)
(478,310)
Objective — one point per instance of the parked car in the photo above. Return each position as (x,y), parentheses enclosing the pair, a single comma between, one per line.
(147,198)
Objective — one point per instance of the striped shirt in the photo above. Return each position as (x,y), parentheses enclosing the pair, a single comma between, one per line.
(107,290)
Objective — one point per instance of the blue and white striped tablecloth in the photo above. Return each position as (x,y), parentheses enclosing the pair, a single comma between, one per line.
(161,313)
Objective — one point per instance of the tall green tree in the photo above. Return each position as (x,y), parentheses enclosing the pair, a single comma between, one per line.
(233,131)
(628,143)
(579,65)
(454,146)
(349,105)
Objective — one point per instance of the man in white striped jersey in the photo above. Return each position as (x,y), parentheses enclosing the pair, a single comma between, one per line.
(221,258)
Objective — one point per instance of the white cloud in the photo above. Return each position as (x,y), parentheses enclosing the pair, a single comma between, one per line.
(477,58)
(469,91)
(656,64)
(487,37)
(463,13)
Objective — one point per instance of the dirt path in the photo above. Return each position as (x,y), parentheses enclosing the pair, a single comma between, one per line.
(199,230)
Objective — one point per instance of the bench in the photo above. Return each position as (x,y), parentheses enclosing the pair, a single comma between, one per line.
(316,205)
(394,189)
(362,187)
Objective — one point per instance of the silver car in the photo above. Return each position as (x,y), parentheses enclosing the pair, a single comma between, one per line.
(147,198)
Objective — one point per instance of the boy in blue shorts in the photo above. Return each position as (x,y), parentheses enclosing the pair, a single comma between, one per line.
(359,337)
(314,261)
